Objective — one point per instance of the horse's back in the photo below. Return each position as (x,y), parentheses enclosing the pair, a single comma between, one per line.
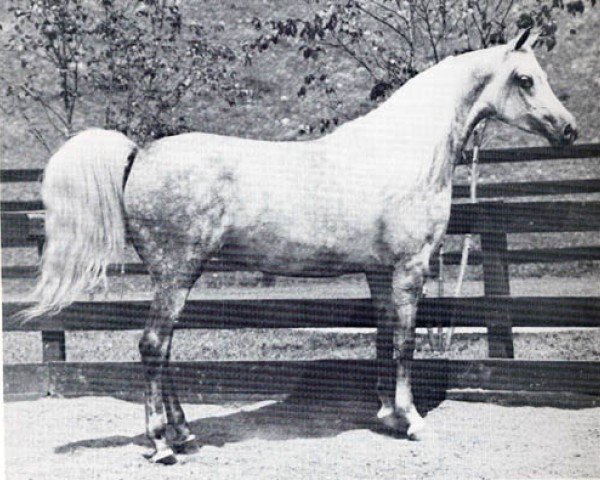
(263,200)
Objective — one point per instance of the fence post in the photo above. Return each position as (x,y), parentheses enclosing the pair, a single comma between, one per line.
(53,346)
(53,342)
(494,246)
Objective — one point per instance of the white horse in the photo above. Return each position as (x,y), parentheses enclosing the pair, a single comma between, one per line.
(373,196)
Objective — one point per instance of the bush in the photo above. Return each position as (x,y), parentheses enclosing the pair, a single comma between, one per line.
(393,40)
(139,57)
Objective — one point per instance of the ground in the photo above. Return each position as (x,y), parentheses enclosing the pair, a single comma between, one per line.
(103,438)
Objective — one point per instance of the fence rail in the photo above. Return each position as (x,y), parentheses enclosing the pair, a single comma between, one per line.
(22,225)
(323,313)
(336,379)
(534,255)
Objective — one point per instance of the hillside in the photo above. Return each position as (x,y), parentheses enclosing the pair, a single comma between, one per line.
(273,110)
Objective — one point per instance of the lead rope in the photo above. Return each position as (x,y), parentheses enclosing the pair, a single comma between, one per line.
(468,240)
(122,279)
(441,293)
(122,268)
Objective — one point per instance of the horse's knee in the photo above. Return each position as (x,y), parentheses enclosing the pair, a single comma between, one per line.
(407,287)
(150,346)
(404,346)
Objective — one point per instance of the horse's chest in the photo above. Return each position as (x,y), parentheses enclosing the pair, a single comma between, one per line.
(415,220)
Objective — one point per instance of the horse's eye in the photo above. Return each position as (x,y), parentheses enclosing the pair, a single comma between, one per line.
(525,82)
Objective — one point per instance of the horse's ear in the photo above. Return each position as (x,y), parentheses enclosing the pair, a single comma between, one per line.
(523,38)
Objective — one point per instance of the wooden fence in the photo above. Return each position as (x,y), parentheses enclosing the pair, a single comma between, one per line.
(492,220)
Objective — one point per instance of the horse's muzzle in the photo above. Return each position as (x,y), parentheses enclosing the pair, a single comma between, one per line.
(569,134)
(560,137)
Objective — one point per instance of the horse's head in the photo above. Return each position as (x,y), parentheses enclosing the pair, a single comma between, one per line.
(521,96)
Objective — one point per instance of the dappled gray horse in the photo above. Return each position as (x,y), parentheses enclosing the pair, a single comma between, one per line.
(373,196)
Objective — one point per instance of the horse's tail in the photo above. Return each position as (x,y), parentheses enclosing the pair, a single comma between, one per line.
(82,191)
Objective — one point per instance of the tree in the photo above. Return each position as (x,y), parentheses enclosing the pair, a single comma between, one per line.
(392,40)
(149,60)
(51,34)
(138,57)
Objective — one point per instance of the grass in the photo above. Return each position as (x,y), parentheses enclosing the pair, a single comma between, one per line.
(264,344)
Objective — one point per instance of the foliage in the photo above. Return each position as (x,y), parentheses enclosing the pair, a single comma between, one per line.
(53,34)
(155,60)
(392,40)
(139,57)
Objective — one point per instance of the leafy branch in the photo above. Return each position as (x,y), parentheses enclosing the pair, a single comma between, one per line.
(392,40)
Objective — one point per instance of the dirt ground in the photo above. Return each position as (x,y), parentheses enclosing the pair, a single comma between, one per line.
(101,438)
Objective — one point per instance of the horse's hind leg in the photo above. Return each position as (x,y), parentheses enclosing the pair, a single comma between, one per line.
(184,440)
(155,347)
(395,296)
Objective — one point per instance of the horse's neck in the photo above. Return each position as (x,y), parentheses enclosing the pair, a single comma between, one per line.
(472,71)
(446,97)
(427,122)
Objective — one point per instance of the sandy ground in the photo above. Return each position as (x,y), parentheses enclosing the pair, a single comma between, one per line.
(101,438)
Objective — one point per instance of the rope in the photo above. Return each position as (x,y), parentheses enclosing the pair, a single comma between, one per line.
(468,239)
(122,279)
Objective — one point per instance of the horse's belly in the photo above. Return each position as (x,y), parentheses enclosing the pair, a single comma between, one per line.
(285,223)
(327,252)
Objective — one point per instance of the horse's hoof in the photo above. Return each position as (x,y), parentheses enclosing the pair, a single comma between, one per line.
(418,432)
(148,455)
(168,460)
(164,457)
(186,446)
(388,418)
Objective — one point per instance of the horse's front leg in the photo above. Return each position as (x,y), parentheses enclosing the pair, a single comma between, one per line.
(154,348)
(395,296)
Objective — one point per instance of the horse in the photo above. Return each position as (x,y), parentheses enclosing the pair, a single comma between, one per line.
(374,195)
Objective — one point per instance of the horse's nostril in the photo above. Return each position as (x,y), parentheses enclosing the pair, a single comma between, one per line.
(570,133)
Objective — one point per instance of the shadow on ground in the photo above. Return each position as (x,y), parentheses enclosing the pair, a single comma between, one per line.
(293,417)
(302,416)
